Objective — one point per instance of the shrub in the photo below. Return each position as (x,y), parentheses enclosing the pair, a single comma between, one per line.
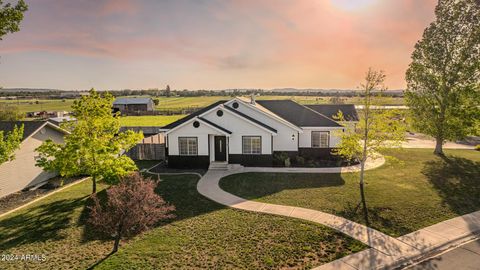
(477,147)
(132,207)
(281,159)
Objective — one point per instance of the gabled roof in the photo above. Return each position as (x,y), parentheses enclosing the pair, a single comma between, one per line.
(128,101)
(250,119)
(29,127)
(297,114)
(215,125)
(331,110)
(259,108)
(193,115)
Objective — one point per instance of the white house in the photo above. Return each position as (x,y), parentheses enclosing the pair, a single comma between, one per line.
(21,172)
(249,132)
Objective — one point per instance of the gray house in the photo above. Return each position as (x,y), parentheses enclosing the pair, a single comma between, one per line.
(21,172)
(133,105)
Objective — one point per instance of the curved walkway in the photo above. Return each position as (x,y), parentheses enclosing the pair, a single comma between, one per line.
(209,187)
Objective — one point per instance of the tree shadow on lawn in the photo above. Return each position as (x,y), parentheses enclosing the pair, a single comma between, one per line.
(38,224)
(457,181)
(253,186)
(180,191)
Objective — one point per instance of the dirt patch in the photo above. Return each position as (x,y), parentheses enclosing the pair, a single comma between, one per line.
(20,198)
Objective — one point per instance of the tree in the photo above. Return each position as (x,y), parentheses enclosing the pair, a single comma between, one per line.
(10,141)
(443,80)
(377,129)
(11,16)
(167,91)
(95,146)
(10,113)
(132,207)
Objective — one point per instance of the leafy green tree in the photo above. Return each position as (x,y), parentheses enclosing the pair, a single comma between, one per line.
(377,129)
(443,80)
(11,16)
(9,142)
(94,146)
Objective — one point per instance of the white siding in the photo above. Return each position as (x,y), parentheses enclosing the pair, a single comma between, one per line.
(240,127)
(188,130)
(306,136)
(284,140)
(22,172)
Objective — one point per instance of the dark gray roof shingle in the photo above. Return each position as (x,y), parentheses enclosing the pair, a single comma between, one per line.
(331,110)
(297,114)
(132,101)
(29,127)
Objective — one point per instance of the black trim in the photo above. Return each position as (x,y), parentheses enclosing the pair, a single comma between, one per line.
(193,115)
(187,137)
(215,125)
(251,160)
(189,162)
(250,136)
(319,131)
(317,153)
(251,119)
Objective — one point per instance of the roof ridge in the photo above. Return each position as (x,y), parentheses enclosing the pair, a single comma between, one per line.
(317,113)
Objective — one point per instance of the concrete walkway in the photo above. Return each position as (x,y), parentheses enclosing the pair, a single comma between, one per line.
(385,250)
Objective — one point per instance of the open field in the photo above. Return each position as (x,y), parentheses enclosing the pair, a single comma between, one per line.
(173,103)
(204,235)
(149,120)
(416,190)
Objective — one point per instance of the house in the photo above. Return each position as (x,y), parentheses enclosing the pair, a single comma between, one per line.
(124,105)
(331,110)
(21,172)
(249,132)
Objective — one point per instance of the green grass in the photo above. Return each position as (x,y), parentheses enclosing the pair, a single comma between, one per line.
(43,105)
(175,103)
(149,120)
(203,235)
(402,197)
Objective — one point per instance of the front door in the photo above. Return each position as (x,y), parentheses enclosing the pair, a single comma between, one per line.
(220,148)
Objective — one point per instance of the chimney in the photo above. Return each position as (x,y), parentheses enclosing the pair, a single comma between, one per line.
(252,99)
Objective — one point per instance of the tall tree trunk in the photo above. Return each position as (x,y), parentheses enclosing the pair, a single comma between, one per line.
(362,192)
(438,147)
(94,184)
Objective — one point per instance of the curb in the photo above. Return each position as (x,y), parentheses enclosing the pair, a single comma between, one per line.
(42,197)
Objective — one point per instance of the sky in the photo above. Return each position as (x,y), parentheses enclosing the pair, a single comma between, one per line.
(212,44)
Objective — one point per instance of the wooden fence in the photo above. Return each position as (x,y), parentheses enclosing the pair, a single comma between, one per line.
(147,151)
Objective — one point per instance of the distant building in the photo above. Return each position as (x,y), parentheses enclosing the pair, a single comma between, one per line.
(133,105)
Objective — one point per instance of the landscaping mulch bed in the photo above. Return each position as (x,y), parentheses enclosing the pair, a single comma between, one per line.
(20,198)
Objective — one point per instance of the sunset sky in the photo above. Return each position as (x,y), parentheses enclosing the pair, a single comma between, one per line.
(211,44)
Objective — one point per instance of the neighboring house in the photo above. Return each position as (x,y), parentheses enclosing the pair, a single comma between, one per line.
(250,132)
(21,172)
(133,105)
(59,120)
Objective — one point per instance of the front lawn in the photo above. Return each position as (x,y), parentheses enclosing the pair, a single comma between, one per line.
(415,191)
(203,235)
(149,120)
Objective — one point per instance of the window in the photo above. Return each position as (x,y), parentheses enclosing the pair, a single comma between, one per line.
(188,146)
(252,145)
(320,139)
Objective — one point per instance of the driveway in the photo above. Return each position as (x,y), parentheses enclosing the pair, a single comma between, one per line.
(422,141)
(465,257)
